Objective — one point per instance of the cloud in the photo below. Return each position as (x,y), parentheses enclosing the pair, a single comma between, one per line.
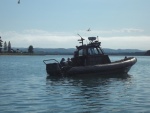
(126,42)
(127,30)
(45,39)
(114,31)
(39,38)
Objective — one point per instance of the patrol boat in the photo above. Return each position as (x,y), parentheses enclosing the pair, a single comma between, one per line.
(89,59)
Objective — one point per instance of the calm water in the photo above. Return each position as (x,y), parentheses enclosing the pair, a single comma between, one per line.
(25,89)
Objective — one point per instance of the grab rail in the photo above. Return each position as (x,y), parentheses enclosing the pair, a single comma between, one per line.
(49,60)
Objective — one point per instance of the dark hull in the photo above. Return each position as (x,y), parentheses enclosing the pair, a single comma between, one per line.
(118,67)
(114,68)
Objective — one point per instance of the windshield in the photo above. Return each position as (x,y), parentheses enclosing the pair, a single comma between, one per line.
(94,51)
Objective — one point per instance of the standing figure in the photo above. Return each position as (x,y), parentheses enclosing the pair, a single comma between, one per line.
(62,62)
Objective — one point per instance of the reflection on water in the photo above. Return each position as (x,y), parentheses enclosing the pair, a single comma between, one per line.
(25,89)
(87,94)
(91,76)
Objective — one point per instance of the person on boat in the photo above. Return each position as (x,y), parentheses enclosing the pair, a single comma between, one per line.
(125,57)
(62,62)
(69,62)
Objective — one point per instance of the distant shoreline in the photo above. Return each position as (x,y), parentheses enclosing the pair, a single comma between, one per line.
(36,54)
(29,54)
(13,54)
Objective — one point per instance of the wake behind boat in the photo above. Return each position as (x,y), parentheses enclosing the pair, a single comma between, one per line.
(89,59)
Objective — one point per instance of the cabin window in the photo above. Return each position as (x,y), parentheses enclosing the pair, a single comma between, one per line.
(82,52)
(93,51)
(99,51)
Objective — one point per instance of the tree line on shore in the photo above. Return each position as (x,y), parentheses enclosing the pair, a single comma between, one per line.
(6,48)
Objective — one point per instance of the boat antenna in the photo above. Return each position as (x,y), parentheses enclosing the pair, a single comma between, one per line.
(97,38)
(81,40)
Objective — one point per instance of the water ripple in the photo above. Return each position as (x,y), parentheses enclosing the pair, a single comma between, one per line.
(25,89)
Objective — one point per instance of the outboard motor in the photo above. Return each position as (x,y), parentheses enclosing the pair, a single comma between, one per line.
(53,68)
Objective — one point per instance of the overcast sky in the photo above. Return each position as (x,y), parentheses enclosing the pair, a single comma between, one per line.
(120,24)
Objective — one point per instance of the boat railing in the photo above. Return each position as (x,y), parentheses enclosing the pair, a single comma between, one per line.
(48,60)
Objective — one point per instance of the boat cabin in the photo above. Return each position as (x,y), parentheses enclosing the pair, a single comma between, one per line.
(90,54)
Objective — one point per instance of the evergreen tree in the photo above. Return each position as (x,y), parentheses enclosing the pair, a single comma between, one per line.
(9,46)
(17,51)
(5,46)
(30,49)
(1,45)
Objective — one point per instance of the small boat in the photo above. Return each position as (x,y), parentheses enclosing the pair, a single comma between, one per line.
(89,59)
